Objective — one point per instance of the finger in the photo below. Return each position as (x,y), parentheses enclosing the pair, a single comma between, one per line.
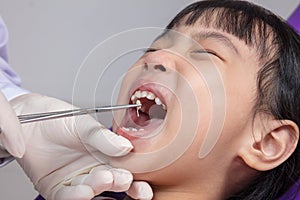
(78,192)
(140,190)
(109,143)
(98,179)
(122,180)
(11,134)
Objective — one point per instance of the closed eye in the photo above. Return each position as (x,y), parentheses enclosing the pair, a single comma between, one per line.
(209,52)
(149,50)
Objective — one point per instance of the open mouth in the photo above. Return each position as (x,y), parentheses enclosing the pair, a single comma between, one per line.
(144,121)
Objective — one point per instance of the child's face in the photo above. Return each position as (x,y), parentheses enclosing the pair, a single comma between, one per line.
(208,98)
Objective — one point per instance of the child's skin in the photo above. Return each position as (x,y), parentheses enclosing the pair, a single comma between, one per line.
(245,146)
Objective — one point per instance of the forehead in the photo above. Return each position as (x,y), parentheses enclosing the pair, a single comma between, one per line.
(248,25)
(201,35)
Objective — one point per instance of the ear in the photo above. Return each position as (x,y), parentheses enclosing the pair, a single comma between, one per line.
(273,143)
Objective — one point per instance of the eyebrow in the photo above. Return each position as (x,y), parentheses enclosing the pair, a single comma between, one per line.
(218,36)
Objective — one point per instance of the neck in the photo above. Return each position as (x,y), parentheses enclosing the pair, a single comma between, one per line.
(172,193)
(179,195)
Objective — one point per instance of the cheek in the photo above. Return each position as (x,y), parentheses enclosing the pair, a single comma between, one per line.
(209,125)
(240,87)
(241,96)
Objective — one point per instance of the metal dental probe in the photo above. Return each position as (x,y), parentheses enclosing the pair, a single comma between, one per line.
(68,113)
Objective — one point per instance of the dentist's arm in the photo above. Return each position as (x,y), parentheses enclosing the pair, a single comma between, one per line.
(60,154)
(66,158)
(11,139)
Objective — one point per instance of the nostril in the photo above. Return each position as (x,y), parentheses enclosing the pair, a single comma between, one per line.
(160,67)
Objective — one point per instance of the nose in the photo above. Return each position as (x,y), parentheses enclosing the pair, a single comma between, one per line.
(158,67)
(160,61)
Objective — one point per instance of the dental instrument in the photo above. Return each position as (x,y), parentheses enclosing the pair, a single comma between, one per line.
(68,113)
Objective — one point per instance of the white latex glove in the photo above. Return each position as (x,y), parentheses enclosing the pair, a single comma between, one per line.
(58,157)
(11,139)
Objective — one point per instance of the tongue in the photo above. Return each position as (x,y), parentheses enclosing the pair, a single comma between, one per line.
(147,127)
(152,125)
(143,121)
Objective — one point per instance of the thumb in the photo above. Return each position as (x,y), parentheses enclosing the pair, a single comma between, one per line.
(10,135)
(12,140)
(100,138)
(109,143)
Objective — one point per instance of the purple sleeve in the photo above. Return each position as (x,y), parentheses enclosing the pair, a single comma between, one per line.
(294,19)
(292,193)
(9,80)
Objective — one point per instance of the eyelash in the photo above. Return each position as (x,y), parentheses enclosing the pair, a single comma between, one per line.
(205,51)
(197,51)
(150,50)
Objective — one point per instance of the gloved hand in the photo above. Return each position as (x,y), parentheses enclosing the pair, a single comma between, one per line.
(11,139)
(58,158)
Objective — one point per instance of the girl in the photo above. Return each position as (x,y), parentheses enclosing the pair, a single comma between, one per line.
(256,154)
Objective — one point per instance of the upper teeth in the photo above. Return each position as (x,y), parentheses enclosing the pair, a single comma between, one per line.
(146,94)
(158,101)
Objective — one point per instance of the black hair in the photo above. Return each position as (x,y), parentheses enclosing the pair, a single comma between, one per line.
(278,80)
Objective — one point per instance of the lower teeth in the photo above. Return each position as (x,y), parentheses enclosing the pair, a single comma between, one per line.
(132,129)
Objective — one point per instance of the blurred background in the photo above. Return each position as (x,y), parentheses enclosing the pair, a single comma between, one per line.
(49,40)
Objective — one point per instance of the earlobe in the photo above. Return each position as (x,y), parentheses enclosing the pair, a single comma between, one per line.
(277,141)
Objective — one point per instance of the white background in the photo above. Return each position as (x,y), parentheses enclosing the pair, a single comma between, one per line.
(50,39)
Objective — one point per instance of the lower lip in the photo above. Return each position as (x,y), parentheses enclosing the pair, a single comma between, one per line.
(124,133)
